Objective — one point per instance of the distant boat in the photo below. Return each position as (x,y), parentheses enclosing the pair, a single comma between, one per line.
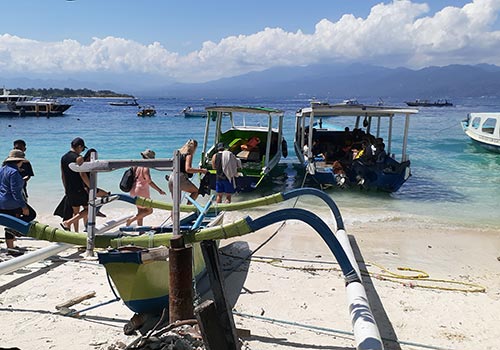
(147,111)
(483,129)
(189,112)
(24,105)
(125,103)
(427,103)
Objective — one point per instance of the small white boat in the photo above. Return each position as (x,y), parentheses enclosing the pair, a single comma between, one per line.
(125,103)
(483,129)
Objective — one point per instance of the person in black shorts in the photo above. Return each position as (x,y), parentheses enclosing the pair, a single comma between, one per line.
(76,193)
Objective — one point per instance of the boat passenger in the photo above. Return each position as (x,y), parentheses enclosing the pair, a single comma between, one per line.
(226,165)
(251,144)
(141,188)
(186,170)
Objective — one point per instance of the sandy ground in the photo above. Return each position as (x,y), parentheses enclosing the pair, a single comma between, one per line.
(297,300)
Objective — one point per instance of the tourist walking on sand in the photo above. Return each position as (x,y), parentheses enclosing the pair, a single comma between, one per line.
(12,200)
(226,165)
(26,169)
(76,194)
(186,170)
(141,188)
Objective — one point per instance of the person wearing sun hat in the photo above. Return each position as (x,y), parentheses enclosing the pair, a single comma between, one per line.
(12,200)
(141,188)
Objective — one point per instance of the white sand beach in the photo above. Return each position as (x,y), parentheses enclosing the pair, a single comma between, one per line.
(296,303)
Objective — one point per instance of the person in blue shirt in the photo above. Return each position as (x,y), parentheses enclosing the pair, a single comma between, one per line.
(12,198)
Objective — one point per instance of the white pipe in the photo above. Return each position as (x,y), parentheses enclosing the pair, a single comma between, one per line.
(51,250)
(364,326)
(32,257)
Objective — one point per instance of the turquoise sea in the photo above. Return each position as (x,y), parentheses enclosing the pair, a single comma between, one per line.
(453,181)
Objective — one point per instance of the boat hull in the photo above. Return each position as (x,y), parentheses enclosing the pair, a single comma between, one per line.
(195,114)
(487,140)
(387,177)
(144,285)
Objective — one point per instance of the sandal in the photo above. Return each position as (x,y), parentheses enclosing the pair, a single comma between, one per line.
(14,252)
(64,227)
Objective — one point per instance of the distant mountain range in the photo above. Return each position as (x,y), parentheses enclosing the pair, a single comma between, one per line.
(351,81)
(334,81)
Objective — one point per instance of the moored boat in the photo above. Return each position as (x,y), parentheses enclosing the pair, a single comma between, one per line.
(355,151)
(125,103)
(258,145)
(189,112)
(24,105)
(147,111)
(484,130)
(428,103)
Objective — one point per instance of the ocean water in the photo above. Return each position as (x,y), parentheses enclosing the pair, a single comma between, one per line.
(453,181)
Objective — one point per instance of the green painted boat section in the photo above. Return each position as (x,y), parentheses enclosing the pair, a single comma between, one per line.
(47,233)
(266,200)
(131,279)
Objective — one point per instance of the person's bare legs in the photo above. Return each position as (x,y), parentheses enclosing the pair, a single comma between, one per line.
(139,217)
(218,198)
(228,198)
(77,215)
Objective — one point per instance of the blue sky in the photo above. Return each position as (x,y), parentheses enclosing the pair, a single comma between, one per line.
(204,40)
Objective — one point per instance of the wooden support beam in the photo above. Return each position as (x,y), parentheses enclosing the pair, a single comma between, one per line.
(222,307)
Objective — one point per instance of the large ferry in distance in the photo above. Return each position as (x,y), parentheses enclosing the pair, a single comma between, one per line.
(24,105)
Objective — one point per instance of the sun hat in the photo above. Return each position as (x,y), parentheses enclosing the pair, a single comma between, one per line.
(78,141)
(220,146)
(15,155)
(149,154)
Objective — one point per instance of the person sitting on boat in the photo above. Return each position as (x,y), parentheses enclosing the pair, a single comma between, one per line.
(251,144)
(226,165)
(380,154)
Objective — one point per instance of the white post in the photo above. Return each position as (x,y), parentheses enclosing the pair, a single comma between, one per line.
(91,216)
(364,326)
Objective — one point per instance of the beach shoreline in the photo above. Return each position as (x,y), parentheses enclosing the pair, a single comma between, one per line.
(311,297)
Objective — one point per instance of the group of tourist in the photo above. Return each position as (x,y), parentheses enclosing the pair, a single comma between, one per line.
(17,170)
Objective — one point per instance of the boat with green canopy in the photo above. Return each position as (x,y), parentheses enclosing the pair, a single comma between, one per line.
(253,134)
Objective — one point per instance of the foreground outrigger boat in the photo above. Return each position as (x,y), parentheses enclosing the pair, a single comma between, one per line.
(149,294)
(328,153)
(259,145)
(484,130)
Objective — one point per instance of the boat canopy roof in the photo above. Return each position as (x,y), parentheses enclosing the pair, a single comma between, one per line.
(243,109)
(338,110)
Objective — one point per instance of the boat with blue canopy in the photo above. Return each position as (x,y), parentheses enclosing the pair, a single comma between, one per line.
(352,145)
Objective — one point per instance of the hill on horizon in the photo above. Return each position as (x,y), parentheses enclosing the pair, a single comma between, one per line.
(320,80)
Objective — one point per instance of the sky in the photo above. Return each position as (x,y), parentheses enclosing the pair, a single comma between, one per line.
(198,41)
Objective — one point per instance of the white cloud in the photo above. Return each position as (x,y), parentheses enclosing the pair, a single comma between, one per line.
(399,33)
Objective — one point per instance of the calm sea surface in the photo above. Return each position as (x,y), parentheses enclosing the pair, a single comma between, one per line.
(453,182)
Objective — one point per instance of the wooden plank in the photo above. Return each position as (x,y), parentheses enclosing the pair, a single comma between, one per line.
(223,309)
(210,326)
(75,300)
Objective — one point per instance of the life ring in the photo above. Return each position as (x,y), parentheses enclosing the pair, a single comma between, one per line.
(284,148)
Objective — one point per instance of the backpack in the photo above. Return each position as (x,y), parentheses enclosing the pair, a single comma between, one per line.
(128,180)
